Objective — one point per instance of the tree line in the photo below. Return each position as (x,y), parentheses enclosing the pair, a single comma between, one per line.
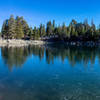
(18,28)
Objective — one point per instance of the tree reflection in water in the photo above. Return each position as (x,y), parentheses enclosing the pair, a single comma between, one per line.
(16,56)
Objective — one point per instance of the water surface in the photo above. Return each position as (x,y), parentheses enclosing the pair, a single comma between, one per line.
(50,73)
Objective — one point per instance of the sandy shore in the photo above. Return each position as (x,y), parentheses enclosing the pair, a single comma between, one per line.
(19,43)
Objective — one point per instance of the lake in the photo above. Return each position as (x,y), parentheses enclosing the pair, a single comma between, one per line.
(52,72)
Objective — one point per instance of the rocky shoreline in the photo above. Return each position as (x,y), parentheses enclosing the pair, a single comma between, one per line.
(88,43)
(20,43)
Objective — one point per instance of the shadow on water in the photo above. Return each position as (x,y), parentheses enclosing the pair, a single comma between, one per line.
(16,56)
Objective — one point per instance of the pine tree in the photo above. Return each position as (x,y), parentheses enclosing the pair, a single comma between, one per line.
(93,28)
(19,28)
(4,30)
(11,27)
(53,27)
(24,26)
(63,31)
(43,30)
(49,28)
(31,33)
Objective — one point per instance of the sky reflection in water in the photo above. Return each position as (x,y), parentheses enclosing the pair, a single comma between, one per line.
(50,73)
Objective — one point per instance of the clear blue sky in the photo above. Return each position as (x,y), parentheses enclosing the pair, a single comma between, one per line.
(40,11)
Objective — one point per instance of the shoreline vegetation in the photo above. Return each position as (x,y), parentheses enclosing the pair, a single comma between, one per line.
(16,32)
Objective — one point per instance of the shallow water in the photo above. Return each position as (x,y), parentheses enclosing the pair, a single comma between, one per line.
(50,73)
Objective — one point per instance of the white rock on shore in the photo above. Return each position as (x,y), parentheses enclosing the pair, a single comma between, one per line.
(18,43)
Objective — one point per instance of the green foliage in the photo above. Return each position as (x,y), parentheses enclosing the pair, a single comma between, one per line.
(11,27)
(36,34)
(15,28)
(18,28)
(4,30)
(30,32)
(50,28)
(42,31)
